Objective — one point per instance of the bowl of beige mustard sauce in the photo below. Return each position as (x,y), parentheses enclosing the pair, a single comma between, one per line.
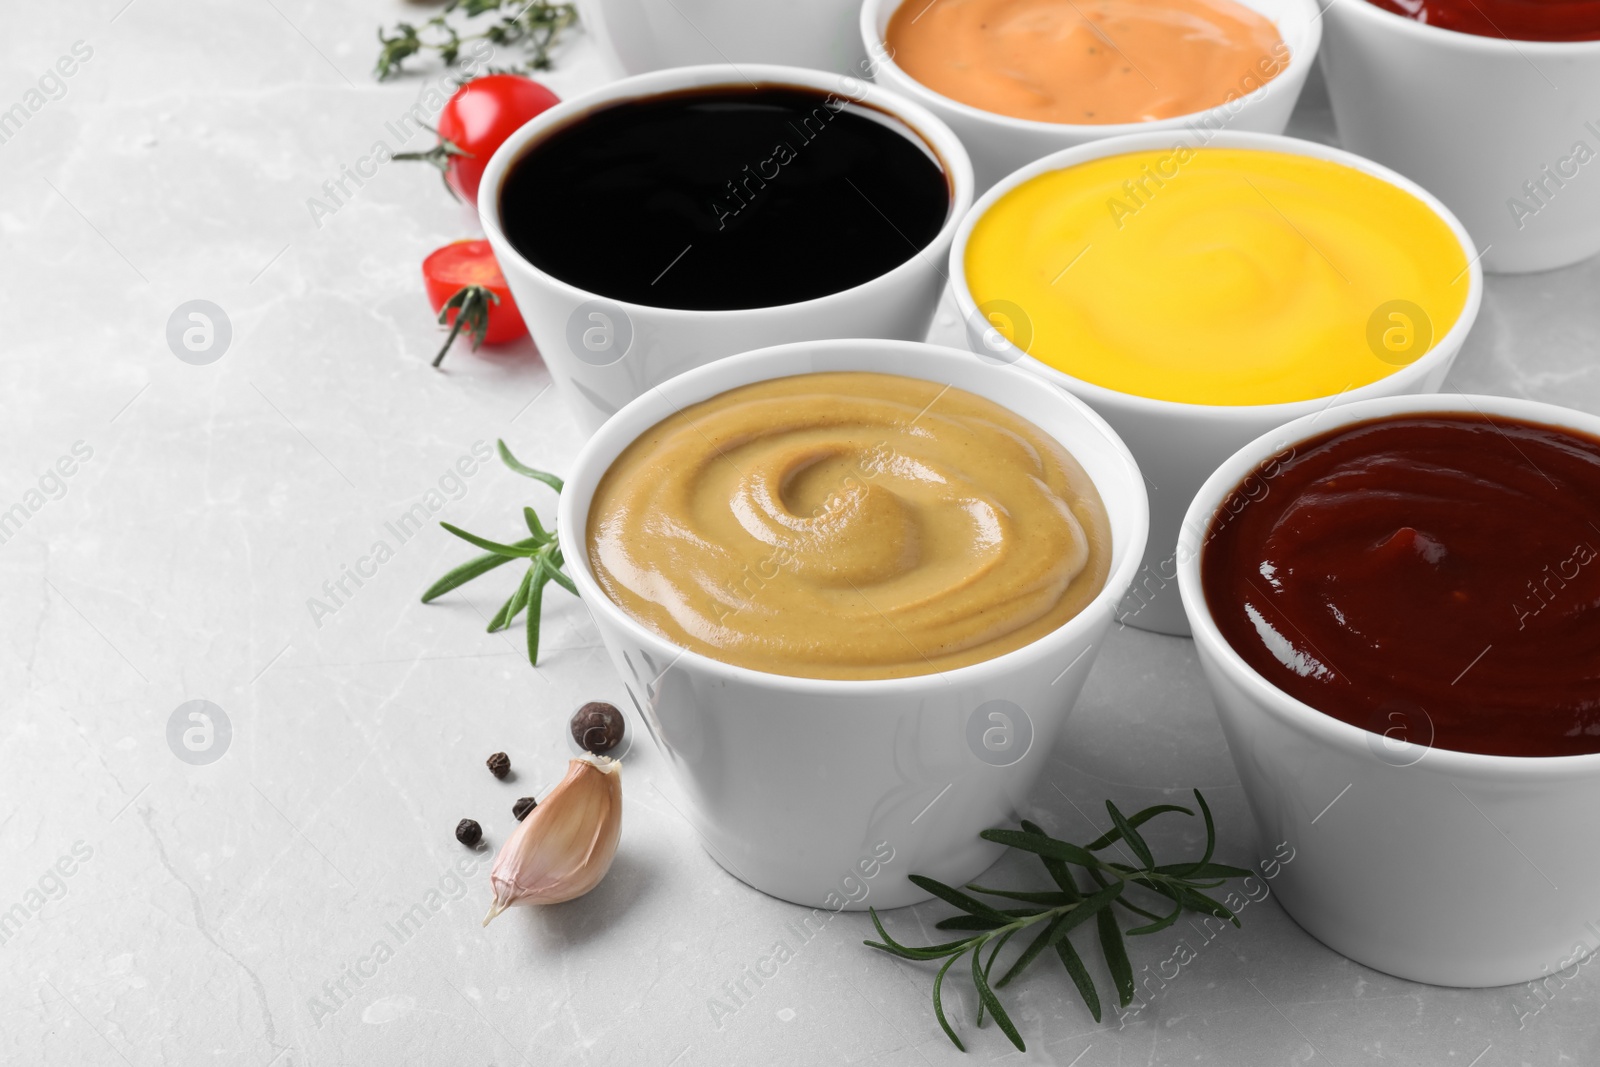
(853,589)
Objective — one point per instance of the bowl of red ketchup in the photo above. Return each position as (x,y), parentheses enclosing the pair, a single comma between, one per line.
(1491,105)
(1396,605)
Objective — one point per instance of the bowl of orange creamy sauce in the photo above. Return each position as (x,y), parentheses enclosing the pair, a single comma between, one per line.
(844,581)
(1018,79)
(1094,62)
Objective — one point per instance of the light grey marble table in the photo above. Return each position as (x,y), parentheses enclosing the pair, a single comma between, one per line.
(230,913)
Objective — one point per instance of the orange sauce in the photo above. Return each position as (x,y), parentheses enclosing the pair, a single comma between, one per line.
(1088,62)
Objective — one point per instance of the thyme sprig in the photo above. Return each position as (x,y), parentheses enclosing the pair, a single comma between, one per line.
(534,26)
(1057,912)
(540,549)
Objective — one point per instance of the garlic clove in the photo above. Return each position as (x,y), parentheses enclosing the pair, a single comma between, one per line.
(566,844)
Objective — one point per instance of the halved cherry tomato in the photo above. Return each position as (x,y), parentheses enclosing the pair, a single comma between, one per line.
(468,291)
(477,120)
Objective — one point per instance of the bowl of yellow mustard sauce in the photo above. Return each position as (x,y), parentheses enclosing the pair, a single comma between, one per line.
(1198,294)
(853,589)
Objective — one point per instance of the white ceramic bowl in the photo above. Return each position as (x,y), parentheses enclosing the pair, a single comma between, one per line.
(602,353)
(801,787)
(999,144)
(1473,119)
(645,35)
(1179,445)
(1446,867)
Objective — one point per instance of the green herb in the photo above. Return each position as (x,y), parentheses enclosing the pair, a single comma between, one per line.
(533,26)
(541,550)
(1054,914)
(471,304)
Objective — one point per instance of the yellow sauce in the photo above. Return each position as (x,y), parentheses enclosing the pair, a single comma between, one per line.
(1086,62)
(1217,275)
(848,525)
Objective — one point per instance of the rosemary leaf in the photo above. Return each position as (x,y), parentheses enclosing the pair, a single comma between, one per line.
(535,527)
(1116,954)
(1195,900)
(526,471)
(535,607)
(1031,953)
(987,999)
(552,566)
(1044,846)
(1160,924)
(970,922)
(1211,840)
(999,943)
(463,574)
(938,1005)
(509,551)
(1131,836)
(1137,819)
(1080,976)
(1190,871)
(1059,927)
(970,904)
(1054,867)
(1058,930)
(931,952)
(1211,828)
(1051,899)
(510,609)
(1128,905)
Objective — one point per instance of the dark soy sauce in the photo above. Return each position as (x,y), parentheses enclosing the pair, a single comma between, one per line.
(723,198)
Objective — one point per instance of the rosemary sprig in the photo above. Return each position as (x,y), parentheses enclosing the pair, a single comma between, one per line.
(1057,912)
(540,549)
(533,25)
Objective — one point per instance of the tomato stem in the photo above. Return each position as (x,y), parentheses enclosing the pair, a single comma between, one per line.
(438,156)
(471,304)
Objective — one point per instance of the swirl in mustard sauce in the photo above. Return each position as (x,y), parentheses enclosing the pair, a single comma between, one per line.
(848,525)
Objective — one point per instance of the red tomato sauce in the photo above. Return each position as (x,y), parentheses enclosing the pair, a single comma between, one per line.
(1518,20)
(1439,574)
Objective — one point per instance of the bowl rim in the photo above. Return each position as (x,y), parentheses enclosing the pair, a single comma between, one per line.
(1470,42)
(652,406)
(1408,376)
(933,133)
(879,54)
(1298,715)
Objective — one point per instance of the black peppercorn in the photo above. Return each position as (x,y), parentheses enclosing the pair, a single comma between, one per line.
(597,727)
(521,808)
(499,764)
(469,833)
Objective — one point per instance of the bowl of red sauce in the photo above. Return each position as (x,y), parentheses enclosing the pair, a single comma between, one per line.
(1396,605)
(1491,105)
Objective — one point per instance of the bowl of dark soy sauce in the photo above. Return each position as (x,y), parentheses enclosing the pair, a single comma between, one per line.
(673,218)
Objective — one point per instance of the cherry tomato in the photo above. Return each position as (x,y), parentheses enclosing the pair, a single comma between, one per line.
(460,278)
(478,119)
